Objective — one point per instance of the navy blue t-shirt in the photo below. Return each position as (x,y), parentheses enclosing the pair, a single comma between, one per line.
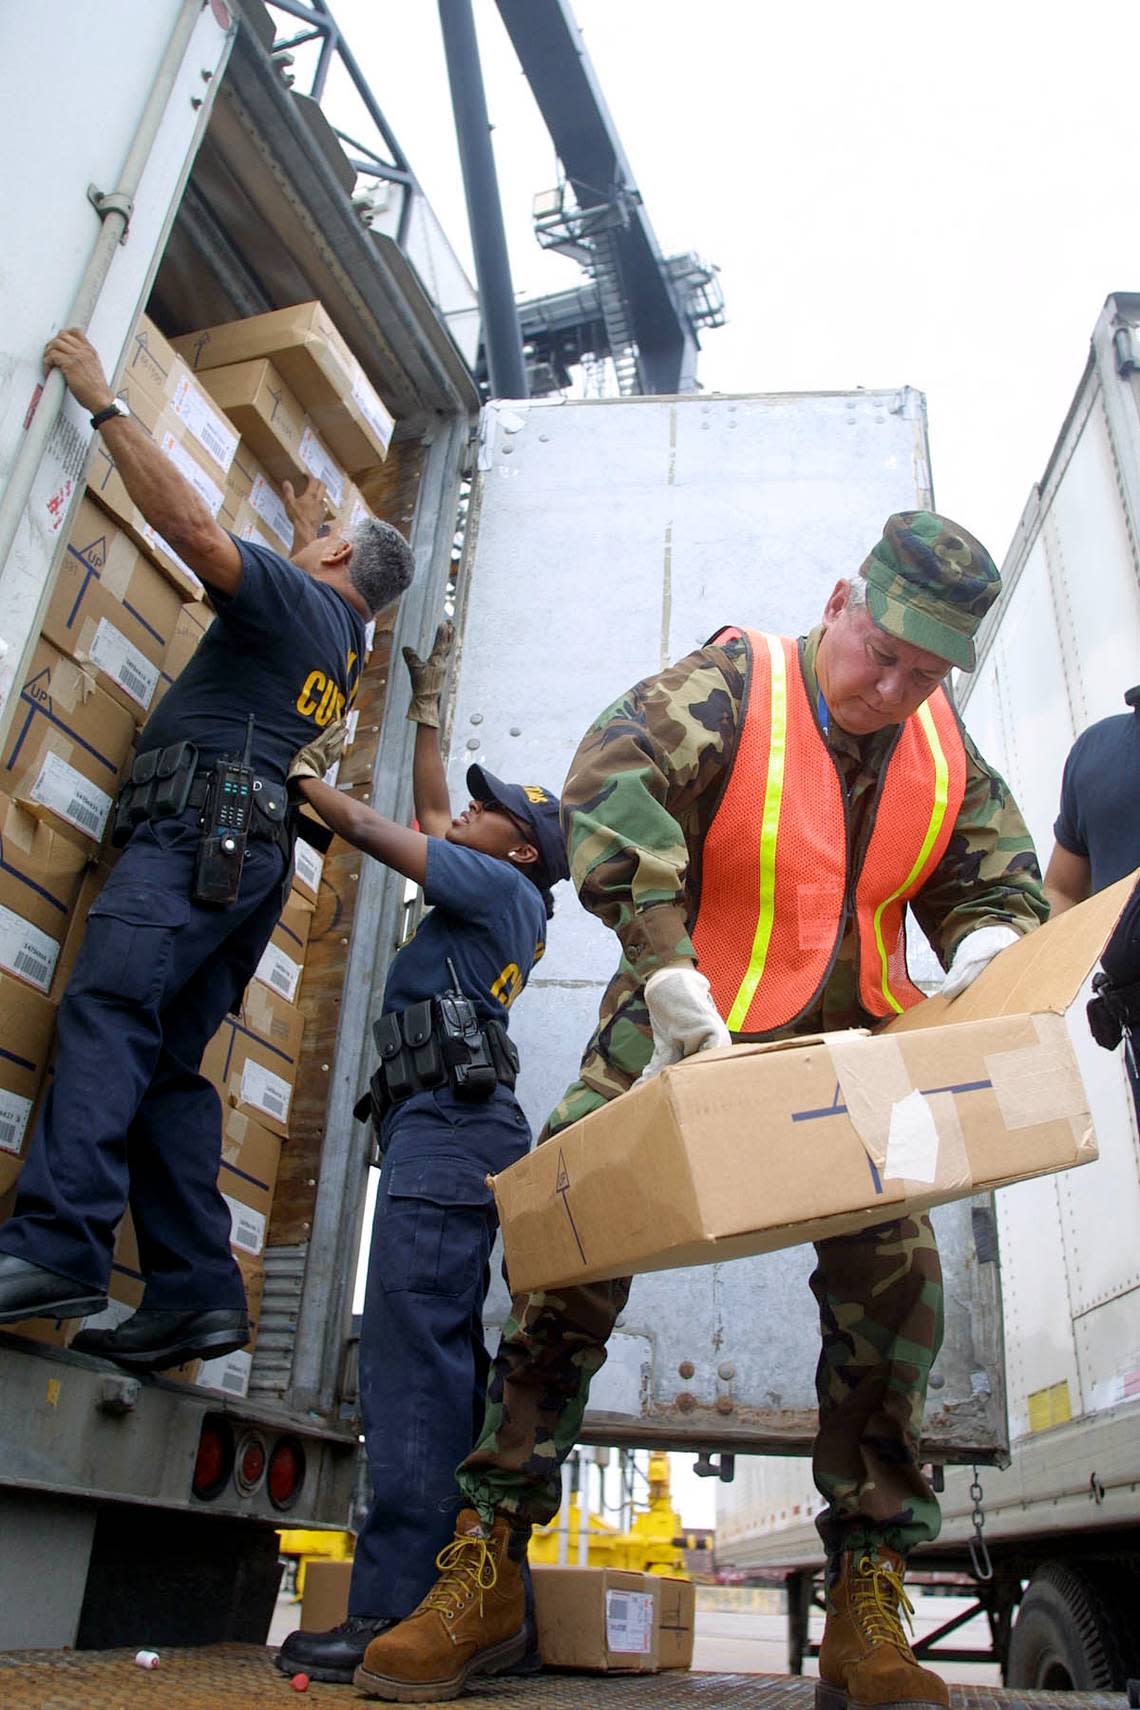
(285,647)
(1100,799)
(487,917)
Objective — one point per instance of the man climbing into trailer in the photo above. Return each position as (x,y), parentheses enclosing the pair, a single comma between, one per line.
(1097,842)
(174,936)
(753,822)
(446,1117)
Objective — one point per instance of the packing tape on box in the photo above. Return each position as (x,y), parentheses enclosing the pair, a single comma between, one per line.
(908,1135)
(1036,1084)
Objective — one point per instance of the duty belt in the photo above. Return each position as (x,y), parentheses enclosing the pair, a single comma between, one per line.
(166,782)
(439,1042)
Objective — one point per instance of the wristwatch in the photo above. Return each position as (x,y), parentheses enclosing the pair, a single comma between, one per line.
(115,408)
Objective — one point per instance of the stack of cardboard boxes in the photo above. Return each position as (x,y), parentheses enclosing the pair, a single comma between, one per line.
(278,397)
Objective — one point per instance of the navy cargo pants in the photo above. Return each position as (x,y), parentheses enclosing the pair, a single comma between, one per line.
(127,1115)
(423,1363)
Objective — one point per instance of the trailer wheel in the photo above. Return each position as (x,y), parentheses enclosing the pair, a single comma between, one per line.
(1065,1635)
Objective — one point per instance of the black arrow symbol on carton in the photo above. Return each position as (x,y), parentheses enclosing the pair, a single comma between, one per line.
(562,1189)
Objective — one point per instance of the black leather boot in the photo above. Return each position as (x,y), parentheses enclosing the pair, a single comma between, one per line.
(29,1291)
(333,1656)
(153,1339)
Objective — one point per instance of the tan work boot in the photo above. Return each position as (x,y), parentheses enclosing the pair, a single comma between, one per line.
(865,1662)
(472,1621)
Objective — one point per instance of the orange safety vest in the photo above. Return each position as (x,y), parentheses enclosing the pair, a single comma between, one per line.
(776,894)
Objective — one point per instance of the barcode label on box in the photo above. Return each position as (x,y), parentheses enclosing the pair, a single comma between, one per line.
(247,1227)
(269,507)
(123,663)
(352,721)
(371,408)
(26,950)
(230,1373)
(358,514)
(279,971)
(208,491)
(332,775)
(629,1622)
(319,463)
(72,796)
(308,865)
(212,431)
(252,532)
(265,1091)
(369,635)
(157,544)
(14,1114)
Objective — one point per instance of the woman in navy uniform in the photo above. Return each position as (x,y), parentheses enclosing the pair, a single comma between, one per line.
(487,874)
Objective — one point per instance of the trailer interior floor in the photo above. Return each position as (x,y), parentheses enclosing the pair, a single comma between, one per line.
(242,1677)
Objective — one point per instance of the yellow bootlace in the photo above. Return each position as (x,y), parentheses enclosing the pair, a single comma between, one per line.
(879,1596)
(466,1565)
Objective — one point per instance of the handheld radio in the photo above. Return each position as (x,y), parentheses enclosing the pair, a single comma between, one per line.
(225,821)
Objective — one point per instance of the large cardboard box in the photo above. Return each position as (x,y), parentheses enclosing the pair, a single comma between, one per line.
(67,746)
(247,1177)
(745,1150)
(324,1602)
(252,1059)
(601,1619)
(676,1623)
(154,372)
(108,553)
(253,507)
(265,413)
(40,874)
(27,1026)
(282,962)
(87,623)
(314,361)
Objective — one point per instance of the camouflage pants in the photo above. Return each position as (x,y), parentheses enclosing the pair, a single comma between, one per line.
(880,1306)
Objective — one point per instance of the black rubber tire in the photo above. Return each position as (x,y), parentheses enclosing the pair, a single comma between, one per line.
(1065,1635)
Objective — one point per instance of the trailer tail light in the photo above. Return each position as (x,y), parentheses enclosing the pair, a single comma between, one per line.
(215,1458)
(286,1472)
(250,1465)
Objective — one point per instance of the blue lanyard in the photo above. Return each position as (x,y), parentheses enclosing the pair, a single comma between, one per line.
(824,715)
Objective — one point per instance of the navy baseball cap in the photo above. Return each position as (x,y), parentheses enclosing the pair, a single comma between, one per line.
(535,807)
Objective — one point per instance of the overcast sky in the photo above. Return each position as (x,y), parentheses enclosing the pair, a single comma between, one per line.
(940,195)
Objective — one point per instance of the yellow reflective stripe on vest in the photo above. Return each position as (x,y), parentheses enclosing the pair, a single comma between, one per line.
(937,815)
(773,797)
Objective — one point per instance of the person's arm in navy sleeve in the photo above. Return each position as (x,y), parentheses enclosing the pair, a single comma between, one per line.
(397,846)
(1068,877)
(164,496)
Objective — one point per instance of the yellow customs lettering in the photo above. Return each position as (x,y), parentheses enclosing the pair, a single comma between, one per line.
(308,700)
(508,985)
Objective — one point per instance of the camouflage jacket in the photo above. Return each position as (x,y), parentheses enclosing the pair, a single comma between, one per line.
(641,794)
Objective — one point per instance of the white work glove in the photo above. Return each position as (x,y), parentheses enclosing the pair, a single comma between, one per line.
(683,1016)
(976,951)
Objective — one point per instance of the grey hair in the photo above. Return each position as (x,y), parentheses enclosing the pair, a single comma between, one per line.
(856,593)
(382,564)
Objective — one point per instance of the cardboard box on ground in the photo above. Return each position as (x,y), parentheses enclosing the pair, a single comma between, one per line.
(598,1620)
(746,1150)
(610,1621)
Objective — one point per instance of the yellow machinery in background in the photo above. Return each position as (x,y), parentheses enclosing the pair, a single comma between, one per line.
(651,1545)
(298,1547)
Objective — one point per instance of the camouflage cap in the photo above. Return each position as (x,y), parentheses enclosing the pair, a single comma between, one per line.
(930,583)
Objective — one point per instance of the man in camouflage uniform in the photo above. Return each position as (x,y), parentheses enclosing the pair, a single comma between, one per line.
(641,795)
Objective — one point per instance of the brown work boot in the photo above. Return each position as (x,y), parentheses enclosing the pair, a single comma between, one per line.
(865,1662)
(472,1621)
